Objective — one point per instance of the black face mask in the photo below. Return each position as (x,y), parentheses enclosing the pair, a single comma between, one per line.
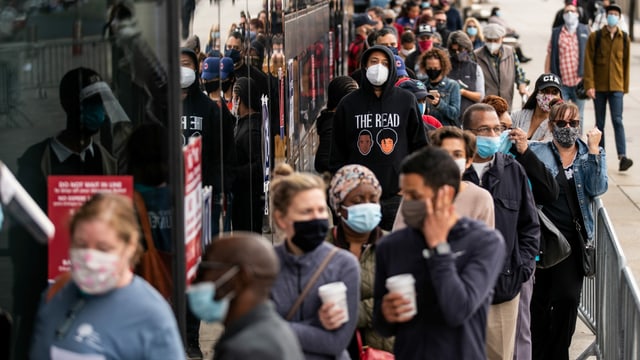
(310,234)
(226,85)
(433,74)
(441,26)
(211,86)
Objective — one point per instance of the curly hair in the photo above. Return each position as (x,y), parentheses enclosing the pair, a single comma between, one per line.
(438,54)
(497,103)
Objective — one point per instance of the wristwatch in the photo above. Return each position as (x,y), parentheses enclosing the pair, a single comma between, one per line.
(440,249)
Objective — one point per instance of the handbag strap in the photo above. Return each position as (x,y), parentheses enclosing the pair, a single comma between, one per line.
(359,340)
(312,280)
(144,220)
(572,197)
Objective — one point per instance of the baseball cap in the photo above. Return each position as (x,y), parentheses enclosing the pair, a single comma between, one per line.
(548,80)
(211,68)
(226,68)
(613,7)
(362,19)
(416,87)
(401,70)
(425,29)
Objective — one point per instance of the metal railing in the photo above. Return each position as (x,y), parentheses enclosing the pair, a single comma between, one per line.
(37,67)
(610,302)
(41,65)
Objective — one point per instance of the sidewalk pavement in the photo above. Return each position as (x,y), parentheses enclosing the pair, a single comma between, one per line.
(533,19)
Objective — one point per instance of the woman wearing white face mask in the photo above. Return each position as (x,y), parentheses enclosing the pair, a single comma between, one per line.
(534,116)
(105,305)
(472,201)
(354,194)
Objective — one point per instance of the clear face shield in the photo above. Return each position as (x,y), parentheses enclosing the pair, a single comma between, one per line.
(112,108)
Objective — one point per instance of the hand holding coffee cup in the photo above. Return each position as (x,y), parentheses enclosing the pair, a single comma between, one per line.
(334,311)
(399,305)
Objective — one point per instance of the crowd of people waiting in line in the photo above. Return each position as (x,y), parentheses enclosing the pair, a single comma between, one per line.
(426,226)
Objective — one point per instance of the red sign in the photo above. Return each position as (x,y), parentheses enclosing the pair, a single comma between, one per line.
(65,195)
(192,205)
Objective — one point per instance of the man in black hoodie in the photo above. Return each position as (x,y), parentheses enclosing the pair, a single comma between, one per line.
(202,117)
(390,114)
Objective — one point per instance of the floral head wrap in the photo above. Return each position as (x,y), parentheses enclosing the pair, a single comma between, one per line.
(348,178)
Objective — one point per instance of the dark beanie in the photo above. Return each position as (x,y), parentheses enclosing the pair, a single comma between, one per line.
(339,87)
(245,87)
(70,86)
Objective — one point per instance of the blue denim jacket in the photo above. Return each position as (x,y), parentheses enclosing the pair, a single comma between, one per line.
(448,109)
(589,174)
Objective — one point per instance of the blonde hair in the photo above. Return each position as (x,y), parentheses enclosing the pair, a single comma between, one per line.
(475,22)
(118,212)
(285,188)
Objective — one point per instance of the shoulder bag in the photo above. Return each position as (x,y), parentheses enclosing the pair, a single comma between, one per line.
(154,265)
(587,246)
(554,246)
(369,353)
(312,280)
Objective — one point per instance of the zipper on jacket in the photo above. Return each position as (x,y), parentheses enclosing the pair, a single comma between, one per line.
(299,292)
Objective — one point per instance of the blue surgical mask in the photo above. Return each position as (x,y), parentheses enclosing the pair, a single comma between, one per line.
(362,218)
(421,107)
(487,145)
(472,31)
(505,142)
(612,20)
(201,298)
(92,116)
(234,54)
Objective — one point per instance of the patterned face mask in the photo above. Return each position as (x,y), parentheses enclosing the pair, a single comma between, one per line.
(566,136)
(544,100)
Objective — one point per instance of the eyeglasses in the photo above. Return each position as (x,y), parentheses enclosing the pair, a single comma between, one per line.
(485,130)
(564,123)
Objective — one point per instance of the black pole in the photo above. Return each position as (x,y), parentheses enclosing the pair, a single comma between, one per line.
(632,18)
(176,177)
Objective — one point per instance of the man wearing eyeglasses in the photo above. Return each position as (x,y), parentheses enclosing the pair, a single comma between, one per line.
(232,287)
(515,217)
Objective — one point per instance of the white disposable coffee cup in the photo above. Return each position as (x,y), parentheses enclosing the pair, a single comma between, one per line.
(405,285)
(335,292)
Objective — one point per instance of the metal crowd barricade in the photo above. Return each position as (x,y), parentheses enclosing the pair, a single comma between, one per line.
(47,61)
(610,302)
(39,66)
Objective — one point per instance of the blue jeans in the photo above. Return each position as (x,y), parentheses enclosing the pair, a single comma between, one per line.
(569,93)
(615,108)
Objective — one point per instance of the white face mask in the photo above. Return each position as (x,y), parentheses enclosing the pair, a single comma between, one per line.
(95,272)
(377,74)
(493,47)
(406,52)
(462,165)
(187,77)
(571,21)
(234,106)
